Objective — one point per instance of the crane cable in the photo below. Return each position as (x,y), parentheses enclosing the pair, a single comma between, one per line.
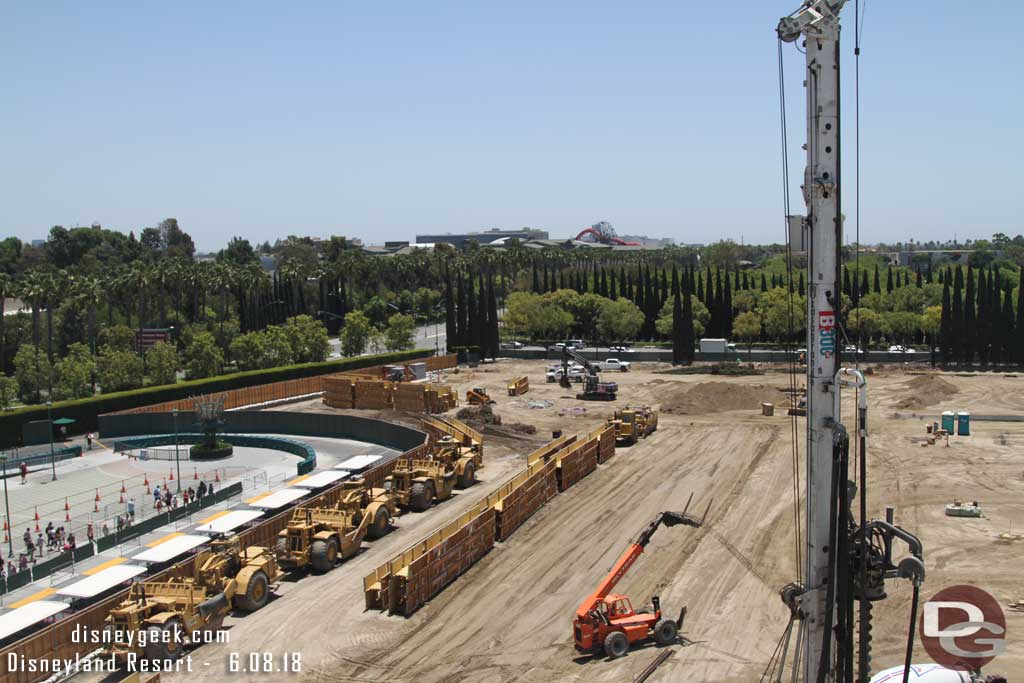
(794,425)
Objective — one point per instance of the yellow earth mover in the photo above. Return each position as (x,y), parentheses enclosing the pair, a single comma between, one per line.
(252,570)
(315,537)
(160,618)
(377,504)
(632,424)
(463,460)
(416,484)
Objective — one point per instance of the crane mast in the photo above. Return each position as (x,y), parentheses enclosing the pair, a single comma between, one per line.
(818,22)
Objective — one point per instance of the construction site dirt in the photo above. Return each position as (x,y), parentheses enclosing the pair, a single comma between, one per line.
(509,616)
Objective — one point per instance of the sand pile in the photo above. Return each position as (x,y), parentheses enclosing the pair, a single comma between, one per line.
(926,390)
(717,397)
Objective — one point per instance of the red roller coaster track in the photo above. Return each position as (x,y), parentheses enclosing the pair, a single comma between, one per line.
(598,236)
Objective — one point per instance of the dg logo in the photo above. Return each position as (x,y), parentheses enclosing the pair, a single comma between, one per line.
(963,627)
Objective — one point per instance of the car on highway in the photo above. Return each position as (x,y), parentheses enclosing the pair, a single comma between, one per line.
(575,344)
(899,348)
(613,364)
(620,349)
(512,345)
(852,348)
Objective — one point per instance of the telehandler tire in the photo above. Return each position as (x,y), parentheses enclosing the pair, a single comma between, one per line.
(256,594)
(323,555)
(665,632)
(419,497)
(616,644)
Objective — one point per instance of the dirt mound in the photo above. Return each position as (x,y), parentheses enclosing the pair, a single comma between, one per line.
(926,390)
(717,397)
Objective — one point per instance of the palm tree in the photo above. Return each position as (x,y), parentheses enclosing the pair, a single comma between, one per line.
(6,288)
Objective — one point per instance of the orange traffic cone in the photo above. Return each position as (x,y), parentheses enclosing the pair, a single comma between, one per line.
(122,499)
(37,527)
(37,513)
(122,487)
(216,475)
(96,507)
(148,492)
(195,473)
(145,480)
(97,495)
(5,524)
(172,474)
(66,508)
(67,517)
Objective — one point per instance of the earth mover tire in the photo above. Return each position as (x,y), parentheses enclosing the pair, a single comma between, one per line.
(163,647)
(616,644)
(468,475)
(379,525)
(323,555)
(665,632)
(256,594)
(419,497)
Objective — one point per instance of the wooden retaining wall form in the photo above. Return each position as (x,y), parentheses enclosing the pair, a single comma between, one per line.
(403,584)
(526,493)
(605,442)
(549,449)
(349,391)
(55,641)
(576,462)
(518,386)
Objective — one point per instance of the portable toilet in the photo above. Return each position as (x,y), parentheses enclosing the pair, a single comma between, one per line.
(963,424)
(948,419)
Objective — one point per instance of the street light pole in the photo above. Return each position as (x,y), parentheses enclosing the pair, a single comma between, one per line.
(177,458)
(53,457)
(7,507)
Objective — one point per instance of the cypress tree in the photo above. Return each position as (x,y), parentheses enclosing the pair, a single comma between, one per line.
(450,326)
(996,312)
(472,336)
(622,284)
(774,281)
(746,282)
(727,312)
(612,288)
(969,317)
(863,283)
(764,283)
(604,284)
(677,319)
(700,286)
(983,318)
(493,337)
(547,287)
(462,320)
(919,282)
(878,281)
(1008,325)
(736,282)
(800,289)
(651,303)
(482,321)
(846,283)
(928,273)
(957,319)
(708,291)
(718,306)
(663,295)
(583,277)
(946,324)
(536,279)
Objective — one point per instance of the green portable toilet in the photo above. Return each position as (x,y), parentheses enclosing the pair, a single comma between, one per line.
(948,419)
(963,424)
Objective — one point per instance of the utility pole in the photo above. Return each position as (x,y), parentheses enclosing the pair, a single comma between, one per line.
(817,21)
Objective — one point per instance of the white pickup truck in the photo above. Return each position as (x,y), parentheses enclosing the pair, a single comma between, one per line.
(612,364)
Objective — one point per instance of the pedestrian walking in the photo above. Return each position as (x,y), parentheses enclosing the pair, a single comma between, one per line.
(24,471)
(89,533)
(39,543)
(71,541)
(88,440)
(131,509)
(11,569)
(202,488)
(159,505)
(120,524)
(156,494)
(22,563)
(105,530)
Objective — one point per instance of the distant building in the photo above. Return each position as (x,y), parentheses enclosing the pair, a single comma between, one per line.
(484,237)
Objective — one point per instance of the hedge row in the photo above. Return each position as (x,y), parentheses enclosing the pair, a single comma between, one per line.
(85,410)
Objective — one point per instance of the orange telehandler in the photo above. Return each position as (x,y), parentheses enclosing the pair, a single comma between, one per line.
(607,621)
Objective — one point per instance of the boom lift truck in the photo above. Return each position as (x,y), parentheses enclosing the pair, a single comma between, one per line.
(847,558)
(593,388)
(607,621)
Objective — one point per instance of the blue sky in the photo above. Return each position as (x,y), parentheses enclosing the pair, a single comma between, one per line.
(380,120)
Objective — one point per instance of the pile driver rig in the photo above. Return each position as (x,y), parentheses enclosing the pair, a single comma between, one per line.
(847,557)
